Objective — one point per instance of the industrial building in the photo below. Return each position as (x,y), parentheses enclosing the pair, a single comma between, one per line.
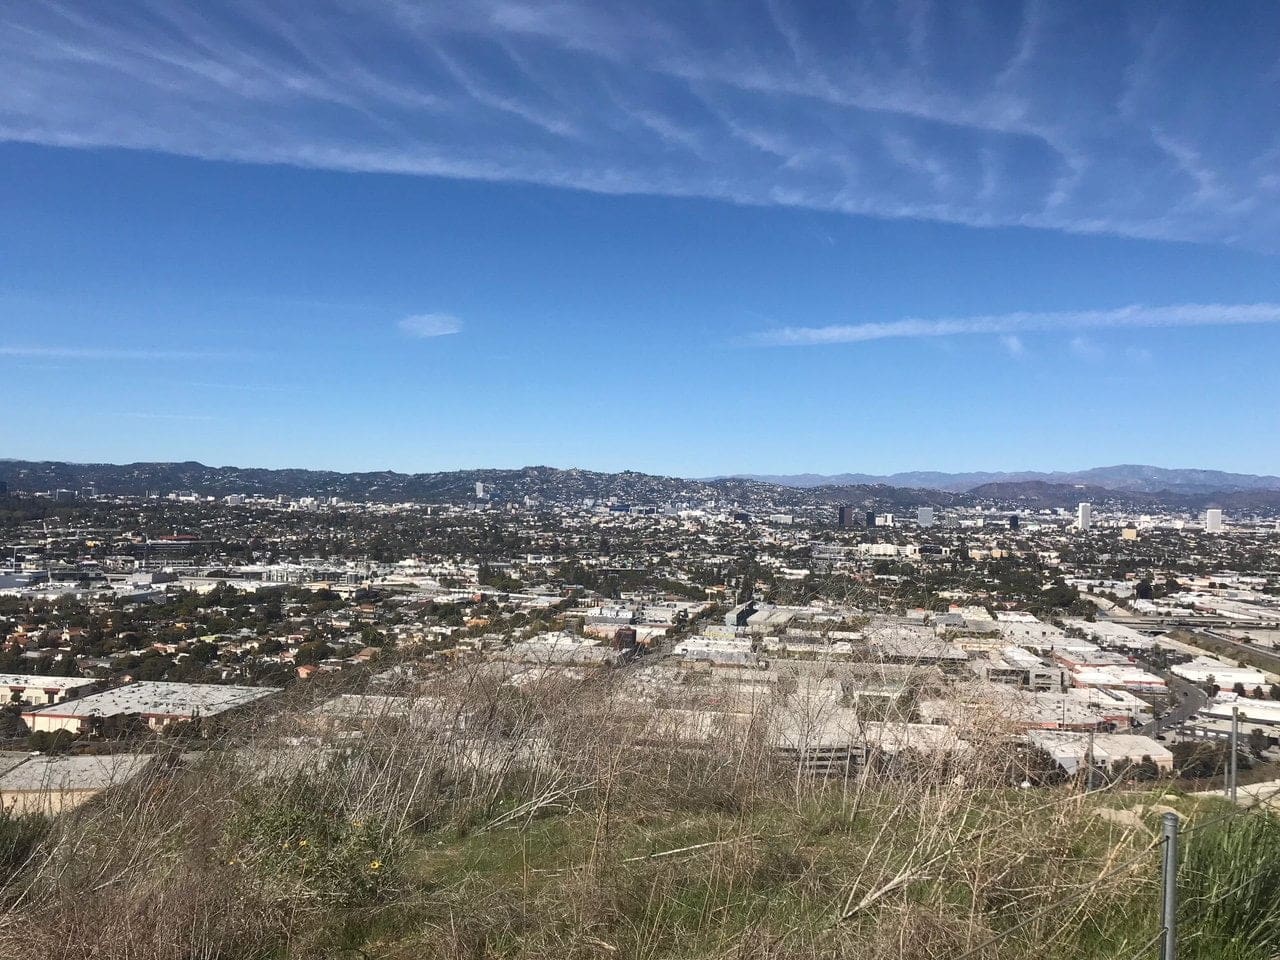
(562,648)
(156,704)
(1209,670)
(42,691)
(735,651)
(53,785)
(1106,751)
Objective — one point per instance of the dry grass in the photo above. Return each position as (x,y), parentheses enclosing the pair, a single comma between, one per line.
(567,816)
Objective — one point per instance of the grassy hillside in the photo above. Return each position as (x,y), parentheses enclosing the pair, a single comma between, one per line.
(561,818)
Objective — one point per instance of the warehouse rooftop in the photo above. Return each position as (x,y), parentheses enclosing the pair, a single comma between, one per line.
(155,698)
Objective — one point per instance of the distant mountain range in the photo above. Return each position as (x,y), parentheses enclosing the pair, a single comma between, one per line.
(1142,488)
(1126,478)
(547,484)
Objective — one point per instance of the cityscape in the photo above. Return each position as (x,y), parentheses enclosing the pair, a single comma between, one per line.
(598,480)
(846,644)
(1141,638)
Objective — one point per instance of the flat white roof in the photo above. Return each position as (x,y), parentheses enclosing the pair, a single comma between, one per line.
(69,774)
(158,699)
(43,682)
(1070,749)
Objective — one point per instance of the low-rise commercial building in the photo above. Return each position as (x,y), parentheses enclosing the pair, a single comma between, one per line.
(155,704)
(41,691)
(1226,676)
(1109,751)
(53,785)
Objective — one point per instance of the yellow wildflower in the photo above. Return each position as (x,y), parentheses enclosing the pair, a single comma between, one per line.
(375,865)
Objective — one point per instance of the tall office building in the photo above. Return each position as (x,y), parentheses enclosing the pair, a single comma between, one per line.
(848,518)
(1084,516)
(924,516)
(871,518)
(480,490)
(1213,521)
(1014,522)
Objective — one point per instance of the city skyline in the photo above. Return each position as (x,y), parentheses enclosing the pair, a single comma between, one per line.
(582,237)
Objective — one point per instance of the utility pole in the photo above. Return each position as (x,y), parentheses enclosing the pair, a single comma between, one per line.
(1169,885)
(1235,736)
(1088,783)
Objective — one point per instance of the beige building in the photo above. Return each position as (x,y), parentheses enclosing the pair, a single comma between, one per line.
(1072,750)
(53,785)
(155,704)
(41,691)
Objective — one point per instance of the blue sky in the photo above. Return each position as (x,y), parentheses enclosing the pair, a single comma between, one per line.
(683,238)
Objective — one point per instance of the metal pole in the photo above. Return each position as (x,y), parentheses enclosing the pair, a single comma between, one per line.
(1235,736)
(1169,906)
(1226,768)
(1088,783)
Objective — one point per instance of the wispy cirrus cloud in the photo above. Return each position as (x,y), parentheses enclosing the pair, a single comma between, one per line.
(1013,345)
(1010,326)
(1026,114)
(427,325)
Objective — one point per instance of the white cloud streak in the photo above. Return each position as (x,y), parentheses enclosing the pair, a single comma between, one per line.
(427,325)
(1016,324)
(852,109)
(1013,343)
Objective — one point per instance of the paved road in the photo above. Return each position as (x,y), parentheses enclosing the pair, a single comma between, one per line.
(1140,621)
(1262,794)
(1190,698)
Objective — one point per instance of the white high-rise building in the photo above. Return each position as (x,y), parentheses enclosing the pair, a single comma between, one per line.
(480,491)
(924,516)
(1084,516)
(1213,521)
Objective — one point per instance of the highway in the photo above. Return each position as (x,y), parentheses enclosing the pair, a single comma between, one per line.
(1266,659)
(1190,698)
(1195,623)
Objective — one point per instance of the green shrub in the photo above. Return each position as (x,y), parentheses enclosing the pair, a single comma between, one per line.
(1229,890)
(297,848)
(57,741)
(19,837)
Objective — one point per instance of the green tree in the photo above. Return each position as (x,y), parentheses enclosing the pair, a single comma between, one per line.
(11,725)
(55,742)
(313,651)
(203,652)
(1258,742)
